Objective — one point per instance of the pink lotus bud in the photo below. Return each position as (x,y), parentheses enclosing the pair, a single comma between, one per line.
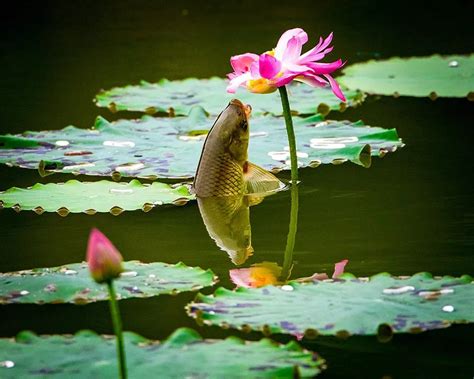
(104,260)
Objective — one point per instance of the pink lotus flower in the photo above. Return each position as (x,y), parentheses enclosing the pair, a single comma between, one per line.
(266,72)
(104,260)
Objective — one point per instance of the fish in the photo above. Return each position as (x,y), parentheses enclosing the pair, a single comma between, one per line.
(226,184)
(224,169)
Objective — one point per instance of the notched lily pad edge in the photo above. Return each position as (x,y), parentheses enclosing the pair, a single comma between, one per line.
(180,337)
(432,95)
(101,100)
(384,332)
(214,279)
(115,210)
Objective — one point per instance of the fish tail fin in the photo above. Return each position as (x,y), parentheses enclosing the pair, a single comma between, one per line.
(260,180)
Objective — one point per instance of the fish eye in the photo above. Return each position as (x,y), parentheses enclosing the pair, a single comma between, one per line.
(244,125)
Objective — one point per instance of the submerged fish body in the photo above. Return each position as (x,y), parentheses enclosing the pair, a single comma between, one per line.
(223,169)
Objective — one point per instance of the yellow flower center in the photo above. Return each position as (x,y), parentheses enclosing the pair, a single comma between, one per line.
(261,85)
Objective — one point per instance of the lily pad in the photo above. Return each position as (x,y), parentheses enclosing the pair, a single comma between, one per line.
(72,283)
(184,354)
(177,97)
(154,148)
(434,76)
(92,197)
(382,305)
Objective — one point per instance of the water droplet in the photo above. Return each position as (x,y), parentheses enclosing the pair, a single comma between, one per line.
(328,146)
(24,292)
(78,166)
(158,202)
(70,272)
(398,290)
(448,308)
(129,167)
(287,287)
(258,134)
(121,190)
(320,124)
(7,364)
(445,291)
(279,155)
(62,143)
(192,138)
(134,288)
(152,276)
(453,64)
(119,143)
(332,140)
(129,274)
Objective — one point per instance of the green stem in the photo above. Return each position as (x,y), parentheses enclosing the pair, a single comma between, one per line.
(290,132)
(117,323)
(290,240)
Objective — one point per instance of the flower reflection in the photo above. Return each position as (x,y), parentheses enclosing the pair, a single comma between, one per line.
(267,273)
(257,275)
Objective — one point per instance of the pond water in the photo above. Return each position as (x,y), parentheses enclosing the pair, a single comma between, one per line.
(411,211)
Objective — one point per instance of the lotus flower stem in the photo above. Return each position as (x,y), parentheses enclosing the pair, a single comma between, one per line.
(291,135)
(117,323)
(290,240)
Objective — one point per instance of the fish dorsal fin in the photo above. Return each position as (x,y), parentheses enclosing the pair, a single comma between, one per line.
(259,180)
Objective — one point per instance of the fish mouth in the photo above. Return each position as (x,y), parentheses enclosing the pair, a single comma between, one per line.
(245,107)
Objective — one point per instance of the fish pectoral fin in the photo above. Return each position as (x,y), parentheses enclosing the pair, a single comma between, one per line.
(260,180)
(254,199)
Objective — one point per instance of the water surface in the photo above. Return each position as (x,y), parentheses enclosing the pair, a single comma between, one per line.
(411,211)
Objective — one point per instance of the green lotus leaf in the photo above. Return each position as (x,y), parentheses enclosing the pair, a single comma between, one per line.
(434,76)
(177,97)
(72,283)
(154,148)
(381,305)
(92,197)
(184,354)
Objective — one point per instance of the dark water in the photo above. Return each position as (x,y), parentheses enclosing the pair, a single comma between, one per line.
(411,211)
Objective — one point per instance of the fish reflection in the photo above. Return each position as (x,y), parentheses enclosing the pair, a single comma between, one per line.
(227,220)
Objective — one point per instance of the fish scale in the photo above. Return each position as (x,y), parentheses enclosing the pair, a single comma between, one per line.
(223,177)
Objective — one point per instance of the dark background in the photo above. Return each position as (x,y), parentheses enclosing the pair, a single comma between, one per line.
(411,211)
